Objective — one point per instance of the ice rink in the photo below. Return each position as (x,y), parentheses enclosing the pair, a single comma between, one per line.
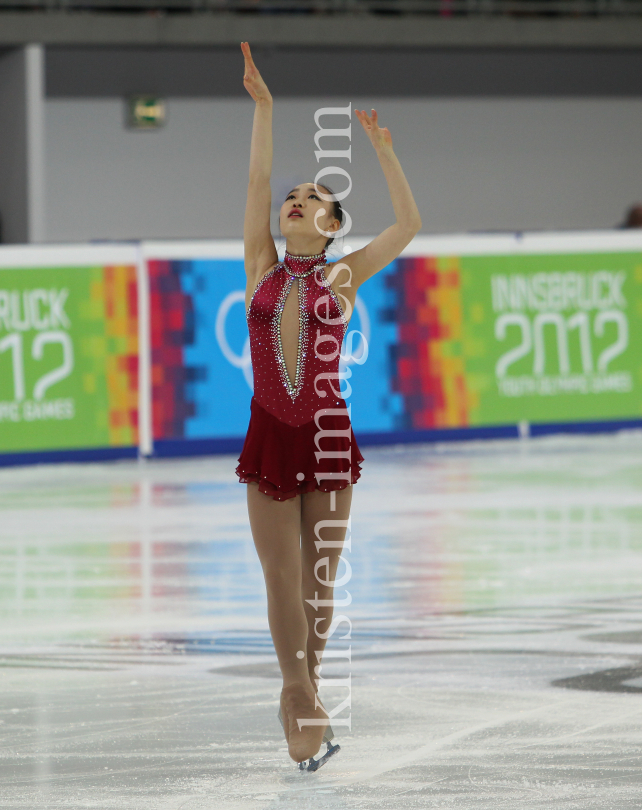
(496,646)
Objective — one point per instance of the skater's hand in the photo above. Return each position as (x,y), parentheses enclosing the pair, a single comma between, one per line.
(380,138)
(252,80)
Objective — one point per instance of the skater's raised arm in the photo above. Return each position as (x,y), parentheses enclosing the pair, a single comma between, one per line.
(260,251)
(389,244)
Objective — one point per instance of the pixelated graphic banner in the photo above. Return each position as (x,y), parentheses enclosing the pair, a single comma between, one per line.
(458,332)
(461,338)
(200,352)
(489,340)
(68,357)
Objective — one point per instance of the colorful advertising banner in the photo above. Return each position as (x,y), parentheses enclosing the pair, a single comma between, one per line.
(68,349)
(459,332)
(502,339)
(200,354)
(147,346)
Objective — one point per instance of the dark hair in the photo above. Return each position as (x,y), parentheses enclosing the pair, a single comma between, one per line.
(336,211)
(633,217)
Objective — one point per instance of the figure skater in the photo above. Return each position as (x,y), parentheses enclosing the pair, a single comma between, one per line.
(300,458)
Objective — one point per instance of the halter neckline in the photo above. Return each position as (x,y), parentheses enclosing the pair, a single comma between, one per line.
(300,266)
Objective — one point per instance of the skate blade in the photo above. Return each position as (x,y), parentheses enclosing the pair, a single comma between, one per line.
(313,764)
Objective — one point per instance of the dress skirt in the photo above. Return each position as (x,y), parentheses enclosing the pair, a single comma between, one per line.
(281,458)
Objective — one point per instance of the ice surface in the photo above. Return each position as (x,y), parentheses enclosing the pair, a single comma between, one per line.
(496,650)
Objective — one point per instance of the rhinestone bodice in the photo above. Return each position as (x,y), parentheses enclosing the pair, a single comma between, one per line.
(322,326)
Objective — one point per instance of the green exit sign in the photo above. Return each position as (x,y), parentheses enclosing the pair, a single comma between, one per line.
(146,112)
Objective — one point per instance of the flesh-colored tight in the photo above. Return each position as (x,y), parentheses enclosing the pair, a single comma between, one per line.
(284,537)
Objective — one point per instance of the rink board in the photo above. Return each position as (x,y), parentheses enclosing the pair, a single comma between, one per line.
(105,350)
(466,337)
(68,352)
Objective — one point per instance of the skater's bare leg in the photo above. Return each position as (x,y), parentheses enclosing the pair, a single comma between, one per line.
(276,529)
(315,507)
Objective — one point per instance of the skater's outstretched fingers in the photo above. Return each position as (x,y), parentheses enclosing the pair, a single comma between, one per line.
(379,137)
(252,79)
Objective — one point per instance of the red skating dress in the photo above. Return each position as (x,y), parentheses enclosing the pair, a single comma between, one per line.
(300,437)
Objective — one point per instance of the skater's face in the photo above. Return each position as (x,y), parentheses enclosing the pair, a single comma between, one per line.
(302,208)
